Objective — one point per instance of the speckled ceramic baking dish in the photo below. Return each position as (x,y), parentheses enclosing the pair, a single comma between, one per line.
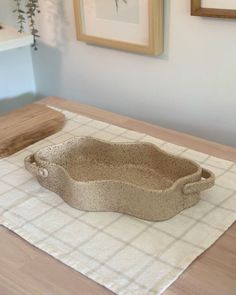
(138,179)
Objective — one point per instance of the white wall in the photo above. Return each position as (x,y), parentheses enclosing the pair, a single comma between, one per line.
(17,85)
(191,87)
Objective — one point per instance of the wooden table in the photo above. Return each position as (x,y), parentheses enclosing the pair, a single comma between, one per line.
(25,269)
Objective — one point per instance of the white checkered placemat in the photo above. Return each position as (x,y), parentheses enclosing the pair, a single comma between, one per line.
(123,253)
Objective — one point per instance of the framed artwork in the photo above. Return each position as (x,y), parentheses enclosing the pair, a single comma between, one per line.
(130,25)
(216,8)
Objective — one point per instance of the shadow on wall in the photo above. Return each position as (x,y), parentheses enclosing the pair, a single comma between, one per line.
(13,103)
(47,63)
(53,23)
(165,54)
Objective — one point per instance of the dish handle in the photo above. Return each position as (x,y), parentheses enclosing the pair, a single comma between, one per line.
(203,184)
(33,168)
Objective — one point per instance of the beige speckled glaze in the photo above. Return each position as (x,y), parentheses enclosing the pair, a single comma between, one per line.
(138,179)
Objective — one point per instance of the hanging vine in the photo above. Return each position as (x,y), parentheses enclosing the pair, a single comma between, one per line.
(31,9)
(20,15)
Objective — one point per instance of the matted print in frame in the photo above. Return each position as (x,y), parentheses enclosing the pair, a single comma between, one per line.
(131,25)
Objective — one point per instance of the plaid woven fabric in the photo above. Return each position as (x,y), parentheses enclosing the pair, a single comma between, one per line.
(123,253)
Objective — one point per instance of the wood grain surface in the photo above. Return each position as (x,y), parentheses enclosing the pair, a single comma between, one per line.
(27,270)
(20,128)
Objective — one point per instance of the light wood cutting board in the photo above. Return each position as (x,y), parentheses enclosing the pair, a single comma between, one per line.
(26,126)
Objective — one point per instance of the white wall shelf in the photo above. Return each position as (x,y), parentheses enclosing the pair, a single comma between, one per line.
(10,38)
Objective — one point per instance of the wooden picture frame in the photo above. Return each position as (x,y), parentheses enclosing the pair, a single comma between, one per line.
(198,10)
(154,32)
